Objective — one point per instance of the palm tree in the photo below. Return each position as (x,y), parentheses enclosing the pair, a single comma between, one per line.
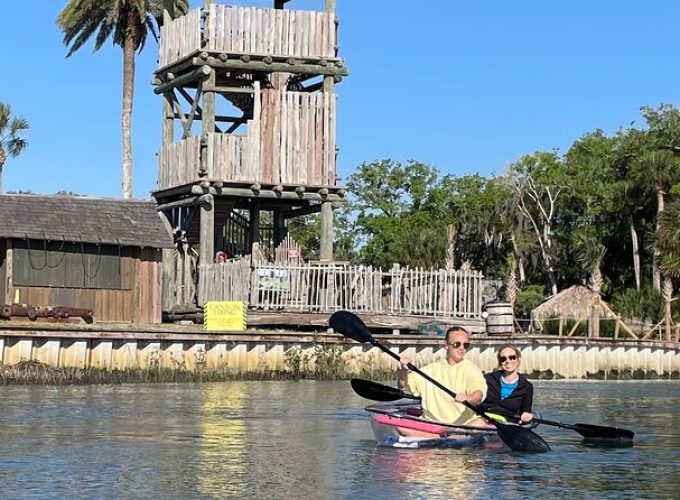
(658,170)
(11,141)
(590,253)
(668,247)
(127,23)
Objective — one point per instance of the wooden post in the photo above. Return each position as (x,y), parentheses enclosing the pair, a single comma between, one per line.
(137,306)
(594,323)
(326,236)
(9,261)
(279,226)
(254,229)
(208,113)
(561,327)
(328,81)
(207,238)
(168,276)
(168,121)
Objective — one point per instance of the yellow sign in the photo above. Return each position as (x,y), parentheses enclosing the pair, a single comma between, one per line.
(226,315)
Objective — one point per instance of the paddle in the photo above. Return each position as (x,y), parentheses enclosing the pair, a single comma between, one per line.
(515,437)
(379,392)
(591,431)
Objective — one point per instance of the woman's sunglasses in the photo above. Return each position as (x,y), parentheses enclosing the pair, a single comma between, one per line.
(458,345)
(503,359)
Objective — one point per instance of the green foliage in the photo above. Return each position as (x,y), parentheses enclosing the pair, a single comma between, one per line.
(668,239)
(644,306)
(120,20)
(403,211)
(551,326)
(12,141)
(296,361)
(329,362)
(306,230)
(528,299)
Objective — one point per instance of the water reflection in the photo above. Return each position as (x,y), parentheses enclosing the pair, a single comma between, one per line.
(312,440)
(223,444)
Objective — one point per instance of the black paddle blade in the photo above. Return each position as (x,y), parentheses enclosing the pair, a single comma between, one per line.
(519,438)
(350,325)
(602,432)
(590,431)
(378,392)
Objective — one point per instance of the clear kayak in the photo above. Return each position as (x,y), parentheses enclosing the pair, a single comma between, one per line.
(386,420)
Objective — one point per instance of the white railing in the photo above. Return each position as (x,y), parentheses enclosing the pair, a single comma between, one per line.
(308,287)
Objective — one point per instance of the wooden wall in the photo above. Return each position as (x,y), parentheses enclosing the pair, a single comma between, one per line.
(230,29)
(290,140)
(3,273)
(305,34)
(138,301)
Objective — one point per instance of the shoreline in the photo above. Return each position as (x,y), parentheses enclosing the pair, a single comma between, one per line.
(37,373)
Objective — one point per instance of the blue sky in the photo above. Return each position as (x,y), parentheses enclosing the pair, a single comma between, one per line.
(465,86)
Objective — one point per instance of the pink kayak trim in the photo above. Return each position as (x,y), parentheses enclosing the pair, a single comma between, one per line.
(411,424)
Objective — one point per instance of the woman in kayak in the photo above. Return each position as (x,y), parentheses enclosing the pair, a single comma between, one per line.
(509,392)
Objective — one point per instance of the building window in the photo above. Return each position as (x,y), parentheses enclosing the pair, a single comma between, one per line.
(66,265)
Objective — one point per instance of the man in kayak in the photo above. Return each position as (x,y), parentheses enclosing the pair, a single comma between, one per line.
(455,372)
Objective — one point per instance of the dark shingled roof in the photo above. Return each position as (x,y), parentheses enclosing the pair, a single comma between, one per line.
(90,220)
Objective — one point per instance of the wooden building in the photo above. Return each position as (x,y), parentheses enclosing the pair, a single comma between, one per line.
(248,140)
(99,254)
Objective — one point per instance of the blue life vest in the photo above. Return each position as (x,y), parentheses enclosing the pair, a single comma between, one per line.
(507,388)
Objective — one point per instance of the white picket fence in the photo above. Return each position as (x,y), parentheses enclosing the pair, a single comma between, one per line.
(319,287)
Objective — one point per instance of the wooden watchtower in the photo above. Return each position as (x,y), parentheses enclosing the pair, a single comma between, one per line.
(248,136)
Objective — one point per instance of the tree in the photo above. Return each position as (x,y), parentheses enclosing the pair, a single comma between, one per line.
(657,169)
(128,24)
(668,247)
(537,181)
(12,142)
(395,216)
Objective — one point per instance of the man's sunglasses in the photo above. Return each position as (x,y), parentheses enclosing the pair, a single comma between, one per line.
(458,345)
(503,359)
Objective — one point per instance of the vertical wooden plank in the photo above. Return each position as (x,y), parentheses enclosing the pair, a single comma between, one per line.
(310,150)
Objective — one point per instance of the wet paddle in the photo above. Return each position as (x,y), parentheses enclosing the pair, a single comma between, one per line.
(591,431)
(515,437)
(379,392)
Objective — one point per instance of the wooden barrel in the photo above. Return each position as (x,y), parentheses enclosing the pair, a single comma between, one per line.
(500,318)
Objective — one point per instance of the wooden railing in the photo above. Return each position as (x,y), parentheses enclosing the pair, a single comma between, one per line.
(180,37)
(179,162)
(249,30)
(290,140)
(311,287)
(277,32)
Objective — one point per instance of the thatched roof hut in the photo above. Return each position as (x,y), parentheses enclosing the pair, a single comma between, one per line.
(572,303)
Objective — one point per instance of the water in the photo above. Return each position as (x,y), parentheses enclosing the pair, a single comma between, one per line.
(311,440)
